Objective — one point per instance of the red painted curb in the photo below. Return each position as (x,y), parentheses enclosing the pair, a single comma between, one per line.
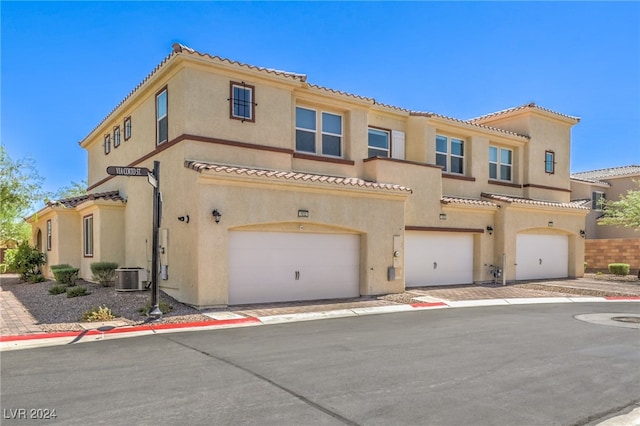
(427,304)
(145,327)
(622,297)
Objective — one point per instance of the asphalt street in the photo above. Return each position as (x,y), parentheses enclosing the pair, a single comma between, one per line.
(500,365)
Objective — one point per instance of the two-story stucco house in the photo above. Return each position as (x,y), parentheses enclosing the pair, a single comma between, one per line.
(606,243)
(275,189)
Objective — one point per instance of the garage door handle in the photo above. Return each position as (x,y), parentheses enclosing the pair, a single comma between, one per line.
(539,261)
(435,265)
(297,275)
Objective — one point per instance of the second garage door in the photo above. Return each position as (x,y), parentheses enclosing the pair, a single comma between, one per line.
(438,258)
(280,266)
(540,256)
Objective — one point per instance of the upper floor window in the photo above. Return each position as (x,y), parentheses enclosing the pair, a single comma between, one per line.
(116,136)
(162,117)
(500,163)
(107,144)
(549,162)
(87,235)
(327,141)
(242,104)
(597,200)
(49,235)
(450,154)
(127,128)
(379,143)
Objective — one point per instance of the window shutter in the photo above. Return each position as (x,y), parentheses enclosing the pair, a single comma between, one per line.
(397,144)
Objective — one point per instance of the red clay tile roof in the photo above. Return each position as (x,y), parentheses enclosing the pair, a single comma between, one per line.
(75,201)
(613,172)
(292,175)
(530,105)
(468,123)
(467,201)
(577,205)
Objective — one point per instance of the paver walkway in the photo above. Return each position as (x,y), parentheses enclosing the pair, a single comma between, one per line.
(14,318)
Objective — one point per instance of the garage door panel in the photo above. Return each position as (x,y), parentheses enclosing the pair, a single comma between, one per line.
(278,266)
(438,258)
(540,256)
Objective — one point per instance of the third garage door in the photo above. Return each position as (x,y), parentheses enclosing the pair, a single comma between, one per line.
(438,258)
(282,266)
(540,256)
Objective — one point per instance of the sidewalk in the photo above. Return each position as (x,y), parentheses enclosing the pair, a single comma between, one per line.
(16,324)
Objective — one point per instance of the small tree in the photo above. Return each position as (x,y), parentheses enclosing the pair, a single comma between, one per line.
(25,260)
(624,212)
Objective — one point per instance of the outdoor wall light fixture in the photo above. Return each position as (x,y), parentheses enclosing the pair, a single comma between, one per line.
(216,215)
(550,224)
(583,233)
(184,218)
(443,216)
(490,229)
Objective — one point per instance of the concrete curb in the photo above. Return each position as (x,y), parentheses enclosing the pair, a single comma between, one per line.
(62,338)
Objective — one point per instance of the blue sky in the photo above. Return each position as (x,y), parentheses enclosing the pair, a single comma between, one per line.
(66,65)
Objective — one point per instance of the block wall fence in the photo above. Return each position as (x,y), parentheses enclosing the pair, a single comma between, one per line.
(600,253)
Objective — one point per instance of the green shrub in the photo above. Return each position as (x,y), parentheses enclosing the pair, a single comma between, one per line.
(58,289)
(76,291)
(61,266)
(25,260)
(66,276)
(36,278)
(104,272)
(100,313)
(165,308)
(619,268)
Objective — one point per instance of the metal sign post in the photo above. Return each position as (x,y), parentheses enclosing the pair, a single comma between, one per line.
(155,314)
(154,180)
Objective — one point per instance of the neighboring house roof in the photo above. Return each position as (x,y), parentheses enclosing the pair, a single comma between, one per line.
(75,201)
(596,176)
(530,106)
(467,201)
(290,175)
(577,205)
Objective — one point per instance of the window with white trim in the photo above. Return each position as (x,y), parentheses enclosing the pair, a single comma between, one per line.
(327,141)
(597,200)
(107,144)
(241,101)
(450,154)
(87,235)
(379,143)
(116,136)
(162,117)
(500,163)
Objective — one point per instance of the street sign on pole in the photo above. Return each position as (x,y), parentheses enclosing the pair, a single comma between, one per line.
(127,171)
(152,180)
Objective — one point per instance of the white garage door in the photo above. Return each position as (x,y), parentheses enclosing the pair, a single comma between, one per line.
(438,258)
(541,256)
(279,266)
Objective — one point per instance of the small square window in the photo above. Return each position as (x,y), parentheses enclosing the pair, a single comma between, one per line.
(127,128)
(116,136)
(242,102)
(597,200)
(549,162)
(107,144)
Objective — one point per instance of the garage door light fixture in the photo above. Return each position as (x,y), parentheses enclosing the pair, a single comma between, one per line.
(490,229)
(583,233)
(550,224)
(216,215)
